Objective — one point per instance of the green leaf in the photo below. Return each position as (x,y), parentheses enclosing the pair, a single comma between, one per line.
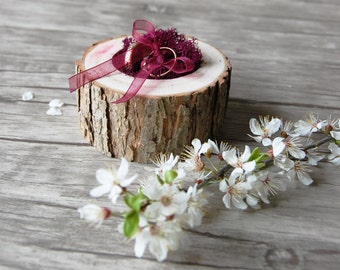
(170,176)
(160,180)
(261,157)
(134,201)
(131,223)
(260,165)
(254,154)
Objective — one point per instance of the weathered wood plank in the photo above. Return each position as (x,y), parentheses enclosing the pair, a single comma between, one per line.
(285,57)
(299,224)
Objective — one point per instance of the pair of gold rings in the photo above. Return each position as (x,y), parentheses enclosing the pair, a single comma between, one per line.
(129,55)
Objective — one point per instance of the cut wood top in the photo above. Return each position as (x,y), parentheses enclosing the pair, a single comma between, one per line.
(214,68)
(286,59)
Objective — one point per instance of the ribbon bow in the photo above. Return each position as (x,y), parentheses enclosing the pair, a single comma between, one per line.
(147,51)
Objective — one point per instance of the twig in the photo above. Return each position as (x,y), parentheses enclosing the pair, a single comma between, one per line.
(220,173)
(318,143)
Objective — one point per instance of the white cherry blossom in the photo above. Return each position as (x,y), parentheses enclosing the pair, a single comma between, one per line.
(194,212)
(334,157)
(166,199)
(165,163)
(294,148)
(210,147)
(300,170)
(235,189)
(264,129)
(291,145)
(113,181)
(160,238)
(192,156)
(239,161)
(266,183)
(313,156)
(287,129)
(308,126)
(284,163)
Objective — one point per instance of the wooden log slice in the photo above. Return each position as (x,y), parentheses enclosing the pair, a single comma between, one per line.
(163,117)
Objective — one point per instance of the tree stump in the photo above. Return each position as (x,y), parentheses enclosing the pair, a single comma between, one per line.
(163,117)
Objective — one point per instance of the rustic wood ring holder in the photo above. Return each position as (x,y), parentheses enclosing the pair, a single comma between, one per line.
(165,115)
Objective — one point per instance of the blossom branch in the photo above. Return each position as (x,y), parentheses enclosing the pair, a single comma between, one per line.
(160,210)
(318,143)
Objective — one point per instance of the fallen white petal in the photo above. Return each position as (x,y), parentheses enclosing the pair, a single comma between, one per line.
(54,111)
(56,103)
(27,96)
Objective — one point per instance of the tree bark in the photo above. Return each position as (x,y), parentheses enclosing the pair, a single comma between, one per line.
(163,117)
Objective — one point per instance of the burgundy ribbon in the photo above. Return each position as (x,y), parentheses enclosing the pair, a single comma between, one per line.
(152,57)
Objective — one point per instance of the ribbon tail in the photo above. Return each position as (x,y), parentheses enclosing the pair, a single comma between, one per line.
(135,86)
(80,79)
(101,70)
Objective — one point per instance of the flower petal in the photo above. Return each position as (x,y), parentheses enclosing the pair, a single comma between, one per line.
(273,126)
(54,111)
(305,178)
(141,241)
(226,200)
(123,169)
(291,175)
(223,185)
(255,127)
(246,154)
(196,143)
(278,146)
(334,159)
(266,141)
(101,190)
(204,149)
(251,200)
(334,149)
(104,176)
(256,138)
(230,156)
(335,134)
(239,203)
(249,166)
(297,153)
(159,248)
(115,192)
(152,188)
(27,96)
(56,103)
(128,181)
(213,146)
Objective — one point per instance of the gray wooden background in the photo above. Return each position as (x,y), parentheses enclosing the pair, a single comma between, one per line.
(286,62)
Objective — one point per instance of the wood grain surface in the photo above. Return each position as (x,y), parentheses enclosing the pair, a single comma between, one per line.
(286,62)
